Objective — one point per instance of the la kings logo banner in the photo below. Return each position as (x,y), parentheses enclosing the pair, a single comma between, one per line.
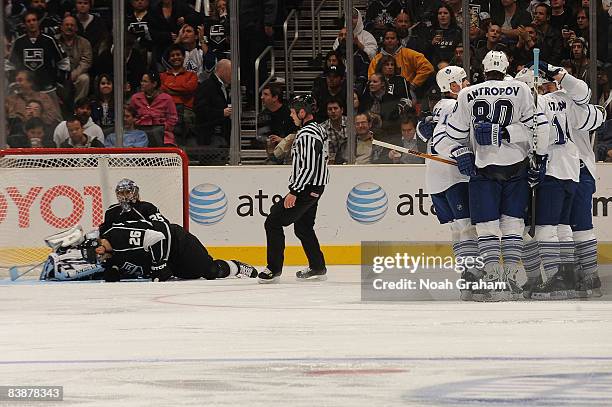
(33,58)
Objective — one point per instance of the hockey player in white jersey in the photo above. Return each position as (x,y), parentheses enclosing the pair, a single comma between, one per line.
(446,185)
(478,137)
(571,118)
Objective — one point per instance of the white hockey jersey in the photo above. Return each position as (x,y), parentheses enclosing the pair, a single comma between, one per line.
(589,117)
(508,103)
(440,176)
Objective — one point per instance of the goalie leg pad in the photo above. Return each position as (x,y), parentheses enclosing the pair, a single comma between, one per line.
(70,266)
(67,238)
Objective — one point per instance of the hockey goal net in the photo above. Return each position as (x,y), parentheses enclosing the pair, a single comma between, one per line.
(44,191)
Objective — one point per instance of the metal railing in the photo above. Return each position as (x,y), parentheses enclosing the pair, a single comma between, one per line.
(317,51)
(289,83)
(269,50)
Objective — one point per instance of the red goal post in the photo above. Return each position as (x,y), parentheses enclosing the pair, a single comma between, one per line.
(43,191)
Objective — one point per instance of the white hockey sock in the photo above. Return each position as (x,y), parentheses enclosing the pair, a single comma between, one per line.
(233,268)
(531,259)
(490,250)
(566,252)
(550,253)
(586,254)
(511,247)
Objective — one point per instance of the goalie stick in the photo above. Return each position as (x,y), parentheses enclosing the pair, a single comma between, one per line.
(412,152)
(14,271)
(536,74)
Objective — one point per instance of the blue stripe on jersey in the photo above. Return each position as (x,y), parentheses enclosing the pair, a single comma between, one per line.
(587,119)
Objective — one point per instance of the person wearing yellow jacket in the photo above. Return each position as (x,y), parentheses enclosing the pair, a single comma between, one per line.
(413,65)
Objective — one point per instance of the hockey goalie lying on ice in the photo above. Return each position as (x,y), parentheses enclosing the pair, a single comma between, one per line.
(135,250)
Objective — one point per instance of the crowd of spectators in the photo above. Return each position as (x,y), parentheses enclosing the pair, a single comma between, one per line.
(178,72)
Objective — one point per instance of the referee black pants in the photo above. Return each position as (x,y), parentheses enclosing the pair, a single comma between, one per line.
(302,215)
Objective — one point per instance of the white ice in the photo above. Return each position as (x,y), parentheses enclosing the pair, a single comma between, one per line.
(237,343)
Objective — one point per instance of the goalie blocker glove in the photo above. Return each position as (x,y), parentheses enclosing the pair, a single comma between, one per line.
(490,134)
(549,71)
(465,160)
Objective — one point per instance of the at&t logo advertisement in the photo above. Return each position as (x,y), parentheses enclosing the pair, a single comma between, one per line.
(367,203)
(207,204)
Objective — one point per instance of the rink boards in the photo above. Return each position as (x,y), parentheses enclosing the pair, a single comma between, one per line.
(228,206)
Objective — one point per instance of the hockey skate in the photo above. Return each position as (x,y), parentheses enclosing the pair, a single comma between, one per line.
(501,292)
(589,286)
(556,288)
(469,277)
(268,277)
(530,285)
(309,274)
(516,291)
(245,270)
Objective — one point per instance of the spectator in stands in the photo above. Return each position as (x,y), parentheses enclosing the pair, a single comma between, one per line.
(167,18)
(365,152)
(50,21)
(493,37)
(274,122)
(16,104)
(93,29)
(579,59)
(199,58)
(154,107)
(256,18)
(335,89)
(509,18)
(218,30)
(548,38)
(397,84)
(132,137)
(413,36)
(362,38)
(335,127)
(181,85)
(79,53)
(140,30)
(444,35)
(40,54)
(409,141)
(213,107)
(332,57)
(102,109)
(604,18)
(527,41)
(560,15)
(384,109)
(35,136)
(77,137)
(380,15)
(604,95)
(361,60)
(415,68)
(82,110)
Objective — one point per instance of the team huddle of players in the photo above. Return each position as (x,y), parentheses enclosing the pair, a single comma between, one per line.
(507,143)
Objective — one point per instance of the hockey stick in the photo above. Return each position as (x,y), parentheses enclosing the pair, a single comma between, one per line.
(412,152)
(14,271)
(536,74)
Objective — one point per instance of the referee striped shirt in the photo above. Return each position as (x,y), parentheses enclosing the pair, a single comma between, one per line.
(310,152)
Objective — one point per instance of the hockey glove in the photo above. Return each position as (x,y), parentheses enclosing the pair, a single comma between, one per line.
(465,160)
(549,71)
(425,128)
(160,272)
(112,274)
(537,170)
(490,134)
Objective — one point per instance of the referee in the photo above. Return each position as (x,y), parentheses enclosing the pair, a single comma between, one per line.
(310,175)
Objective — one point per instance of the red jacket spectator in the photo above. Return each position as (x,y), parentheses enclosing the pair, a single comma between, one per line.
(177,81)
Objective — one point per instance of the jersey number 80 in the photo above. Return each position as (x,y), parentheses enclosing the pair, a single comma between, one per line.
(501,113)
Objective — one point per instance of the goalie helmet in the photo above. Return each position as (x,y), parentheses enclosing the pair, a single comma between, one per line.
(495,61)
(127,193)
(305,102)
(451,74)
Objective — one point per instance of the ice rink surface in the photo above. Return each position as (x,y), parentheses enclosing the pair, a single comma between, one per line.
(237,343)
